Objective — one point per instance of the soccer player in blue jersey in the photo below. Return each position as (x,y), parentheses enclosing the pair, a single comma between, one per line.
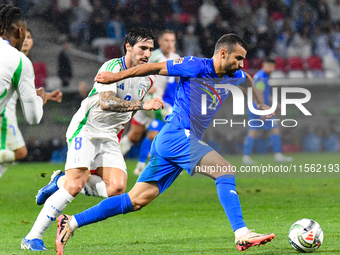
(261,79)
(178,146)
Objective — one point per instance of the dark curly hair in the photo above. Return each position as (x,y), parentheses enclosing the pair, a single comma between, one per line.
(9,15)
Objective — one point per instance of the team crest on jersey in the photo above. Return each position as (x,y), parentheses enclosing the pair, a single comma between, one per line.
(178,61)
(141,90)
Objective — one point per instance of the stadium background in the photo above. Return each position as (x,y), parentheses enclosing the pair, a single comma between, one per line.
(186,219)
(303,36)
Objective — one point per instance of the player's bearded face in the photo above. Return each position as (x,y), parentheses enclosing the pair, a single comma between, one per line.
(234,60)
(141,52)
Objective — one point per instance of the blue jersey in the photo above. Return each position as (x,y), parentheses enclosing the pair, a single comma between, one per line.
(197,77)
(261,84)
(169,95)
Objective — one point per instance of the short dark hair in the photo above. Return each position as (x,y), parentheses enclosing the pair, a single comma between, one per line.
(166,31)
(137,35)
(228,42)
(29,30)
(269,60)
(9,15)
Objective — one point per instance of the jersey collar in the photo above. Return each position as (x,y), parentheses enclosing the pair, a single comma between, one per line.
(5,40)
(123,61)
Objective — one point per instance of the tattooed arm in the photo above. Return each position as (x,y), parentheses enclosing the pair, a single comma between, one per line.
(109,102)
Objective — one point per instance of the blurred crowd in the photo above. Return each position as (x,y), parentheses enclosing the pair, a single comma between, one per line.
(277,27)
(283,28)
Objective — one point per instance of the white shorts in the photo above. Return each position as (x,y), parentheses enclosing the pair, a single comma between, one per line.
(144,117)
(11,137)
(93,153)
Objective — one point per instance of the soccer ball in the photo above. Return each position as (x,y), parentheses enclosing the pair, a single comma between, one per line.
(305,235)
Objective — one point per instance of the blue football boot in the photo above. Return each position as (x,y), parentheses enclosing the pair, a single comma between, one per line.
(33,244)
(49,189)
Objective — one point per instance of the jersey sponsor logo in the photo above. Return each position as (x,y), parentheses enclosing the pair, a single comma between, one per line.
(121,86)
(178,61)
(191,59)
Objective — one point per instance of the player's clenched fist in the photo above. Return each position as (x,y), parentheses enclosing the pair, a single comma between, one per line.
(41,92)
(153,104)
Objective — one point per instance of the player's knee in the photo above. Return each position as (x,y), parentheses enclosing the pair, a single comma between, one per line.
(74,187)
(20,153)
(117,189)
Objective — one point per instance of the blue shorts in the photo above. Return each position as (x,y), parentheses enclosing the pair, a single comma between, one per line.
(156,125)
(173,150)
(256,122)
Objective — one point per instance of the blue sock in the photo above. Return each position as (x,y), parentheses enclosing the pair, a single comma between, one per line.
(144,149)
(276,143)
(226,192)
(248,145)
(108,207)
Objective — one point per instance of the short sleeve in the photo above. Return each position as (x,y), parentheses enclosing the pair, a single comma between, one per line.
(111,66)
(188,67)
(25,85)
(106,87)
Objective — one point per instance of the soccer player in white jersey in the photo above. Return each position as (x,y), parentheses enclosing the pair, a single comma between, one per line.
(142,119)
(16,71)
(13,146)
(93,136)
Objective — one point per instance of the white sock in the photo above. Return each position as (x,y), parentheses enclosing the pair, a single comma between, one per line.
(278,154)
(53,208)
(95,186)
(73,223)
(241,232)
(125,145)
(7,156)
(61,181)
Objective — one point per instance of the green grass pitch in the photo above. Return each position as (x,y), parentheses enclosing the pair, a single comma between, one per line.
(185,219)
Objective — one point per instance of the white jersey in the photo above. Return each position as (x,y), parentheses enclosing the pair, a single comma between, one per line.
(11,106)
(91,121)
(162,81)
(16,74)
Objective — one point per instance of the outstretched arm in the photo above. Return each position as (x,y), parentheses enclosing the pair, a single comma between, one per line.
(257,98)
(55,95)
(141,70)
(109,102)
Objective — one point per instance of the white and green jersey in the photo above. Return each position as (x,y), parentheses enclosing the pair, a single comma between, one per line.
(91,121)
(16,74)
(11,106)
(162,81)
